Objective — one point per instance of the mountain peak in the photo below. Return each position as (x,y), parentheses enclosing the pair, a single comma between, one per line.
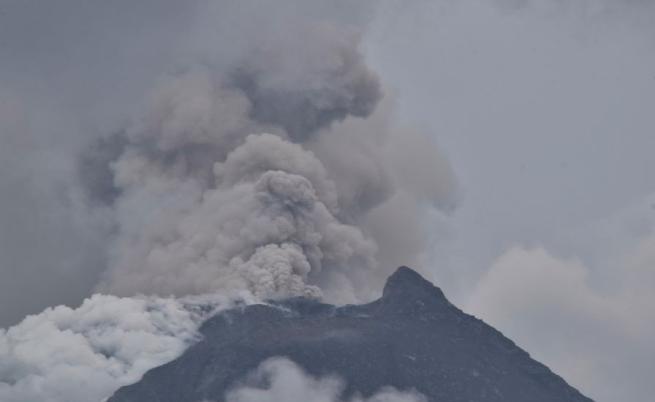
(406,285)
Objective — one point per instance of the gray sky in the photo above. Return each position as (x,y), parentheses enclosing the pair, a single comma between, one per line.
(544,109)
(546,113)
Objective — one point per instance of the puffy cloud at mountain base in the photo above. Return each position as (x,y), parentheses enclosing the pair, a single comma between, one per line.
(279,379)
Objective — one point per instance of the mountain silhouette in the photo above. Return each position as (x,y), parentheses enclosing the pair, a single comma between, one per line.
(410,338)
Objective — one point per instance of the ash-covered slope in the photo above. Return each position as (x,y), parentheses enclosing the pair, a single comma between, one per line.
(411,337)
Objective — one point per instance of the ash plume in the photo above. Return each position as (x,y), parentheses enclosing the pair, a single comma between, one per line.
(219,182)
(263,163)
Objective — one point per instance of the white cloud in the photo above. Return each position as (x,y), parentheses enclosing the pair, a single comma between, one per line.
(279,379)
(599,338)
(85,354)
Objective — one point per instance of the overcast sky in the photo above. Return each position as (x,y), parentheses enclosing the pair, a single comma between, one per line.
(545,109)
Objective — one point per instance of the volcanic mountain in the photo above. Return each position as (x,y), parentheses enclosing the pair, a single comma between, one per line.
(410,338)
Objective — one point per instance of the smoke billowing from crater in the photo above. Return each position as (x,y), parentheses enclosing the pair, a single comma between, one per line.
(264,164)
(219,183)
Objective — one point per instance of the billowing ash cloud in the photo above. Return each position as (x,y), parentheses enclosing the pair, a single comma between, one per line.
(238,101)
(280,379)
(308,81)
(219,183)
(259,227)
(85,354)
(262,164)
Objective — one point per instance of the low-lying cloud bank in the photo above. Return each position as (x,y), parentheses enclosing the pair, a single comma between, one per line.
(85,354)
(279,379)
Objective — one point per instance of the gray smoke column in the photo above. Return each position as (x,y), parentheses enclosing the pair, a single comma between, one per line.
(262,171)
(262,163)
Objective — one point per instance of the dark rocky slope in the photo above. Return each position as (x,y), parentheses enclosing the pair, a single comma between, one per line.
(411,337)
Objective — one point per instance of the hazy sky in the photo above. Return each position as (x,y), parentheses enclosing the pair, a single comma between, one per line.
(545,112)
(544,108)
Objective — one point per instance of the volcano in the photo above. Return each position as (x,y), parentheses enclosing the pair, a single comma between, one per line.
(412,338)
